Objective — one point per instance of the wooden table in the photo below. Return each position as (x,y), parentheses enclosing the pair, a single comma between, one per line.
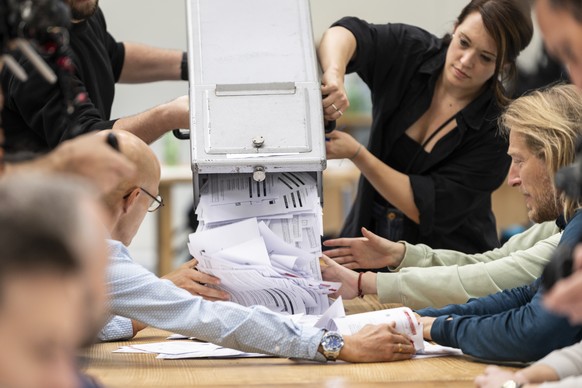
(144,370)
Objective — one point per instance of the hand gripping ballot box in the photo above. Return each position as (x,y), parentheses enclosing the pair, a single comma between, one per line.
(255,99)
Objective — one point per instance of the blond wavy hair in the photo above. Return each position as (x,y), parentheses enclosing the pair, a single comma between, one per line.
(550,120)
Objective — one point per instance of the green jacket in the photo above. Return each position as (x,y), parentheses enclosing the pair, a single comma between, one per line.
(437,277)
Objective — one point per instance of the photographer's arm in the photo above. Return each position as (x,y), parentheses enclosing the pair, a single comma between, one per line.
(148,64)
(153,123)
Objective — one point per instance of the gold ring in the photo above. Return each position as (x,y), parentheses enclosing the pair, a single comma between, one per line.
(399,348)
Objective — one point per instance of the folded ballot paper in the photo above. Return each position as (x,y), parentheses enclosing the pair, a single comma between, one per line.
(262,239)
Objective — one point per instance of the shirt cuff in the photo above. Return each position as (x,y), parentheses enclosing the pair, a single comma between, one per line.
(118,328)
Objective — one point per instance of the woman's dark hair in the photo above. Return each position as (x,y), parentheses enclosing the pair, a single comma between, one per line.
(509,24)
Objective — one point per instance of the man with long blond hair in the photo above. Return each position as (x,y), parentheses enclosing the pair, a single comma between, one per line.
(514,325)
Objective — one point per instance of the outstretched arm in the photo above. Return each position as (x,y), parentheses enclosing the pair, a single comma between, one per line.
(370,251)
(153,123)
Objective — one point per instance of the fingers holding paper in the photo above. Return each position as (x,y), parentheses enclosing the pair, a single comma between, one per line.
(196,282)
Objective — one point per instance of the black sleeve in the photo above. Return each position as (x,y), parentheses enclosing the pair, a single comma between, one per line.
(115,50)
(382,50)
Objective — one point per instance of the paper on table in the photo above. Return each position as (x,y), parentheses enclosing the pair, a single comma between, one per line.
(185,349)
(435,350)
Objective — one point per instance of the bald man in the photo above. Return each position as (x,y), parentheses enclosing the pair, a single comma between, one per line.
(137,294)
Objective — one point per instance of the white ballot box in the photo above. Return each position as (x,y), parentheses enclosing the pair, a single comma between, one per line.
(255,99)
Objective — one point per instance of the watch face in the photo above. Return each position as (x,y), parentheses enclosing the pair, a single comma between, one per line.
(332,342)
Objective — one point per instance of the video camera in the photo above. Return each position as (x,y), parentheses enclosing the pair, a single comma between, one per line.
(39,30)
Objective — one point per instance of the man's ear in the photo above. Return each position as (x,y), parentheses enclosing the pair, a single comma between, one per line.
(130,199)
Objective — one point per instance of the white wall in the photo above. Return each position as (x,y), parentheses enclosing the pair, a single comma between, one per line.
(163,23)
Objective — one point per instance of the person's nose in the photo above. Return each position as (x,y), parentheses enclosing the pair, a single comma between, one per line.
(513,178)
(467,59)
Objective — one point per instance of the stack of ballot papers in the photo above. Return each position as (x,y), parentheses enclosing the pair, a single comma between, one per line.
(288,203)
(333,319)
(263,240)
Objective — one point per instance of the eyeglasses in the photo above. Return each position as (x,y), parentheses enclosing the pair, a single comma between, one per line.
(157,201)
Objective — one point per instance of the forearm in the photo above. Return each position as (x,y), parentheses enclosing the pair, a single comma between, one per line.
(155,122)
(336,49)
(562,363)
(368,283)
(392,185)
(415,287)
(148,64)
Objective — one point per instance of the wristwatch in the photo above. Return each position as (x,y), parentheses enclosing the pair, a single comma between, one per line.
(332,343)
(512,384)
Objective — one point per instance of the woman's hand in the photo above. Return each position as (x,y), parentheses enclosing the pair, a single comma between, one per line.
(335,98)
(370,251)
(334,272)
(341,145)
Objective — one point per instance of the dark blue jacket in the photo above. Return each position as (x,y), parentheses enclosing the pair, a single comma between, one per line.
(511,325)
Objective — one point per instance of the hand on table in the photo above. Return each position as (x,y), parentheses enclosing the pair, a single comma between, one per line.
(376,343)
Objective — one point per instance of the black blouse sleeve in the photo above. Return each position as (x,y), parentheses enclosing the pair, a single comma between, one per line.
(384,50)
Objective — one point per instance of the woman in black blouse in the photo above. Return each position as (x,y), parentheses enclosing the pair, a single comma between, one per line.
(434,156)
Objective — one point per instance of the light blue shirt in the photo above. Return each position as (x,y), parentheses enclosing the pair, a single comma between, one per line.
(136,293)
